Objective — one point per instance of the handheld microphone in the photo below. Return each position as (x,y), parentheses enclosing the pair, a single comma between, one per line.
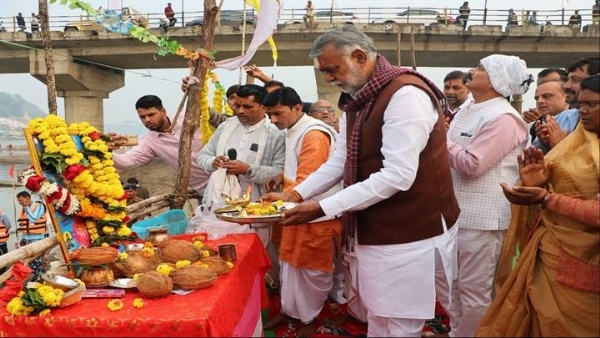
(232,154)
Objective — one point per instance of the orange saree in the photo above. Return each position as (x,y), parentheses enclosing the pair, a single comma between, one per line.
(554,290)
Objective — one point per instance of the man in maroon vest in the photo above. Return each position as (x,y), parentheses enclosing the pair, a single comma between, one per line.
(398,204)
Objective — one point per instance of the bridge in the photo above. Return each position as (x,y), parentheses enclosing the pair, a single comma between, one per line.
(89,65)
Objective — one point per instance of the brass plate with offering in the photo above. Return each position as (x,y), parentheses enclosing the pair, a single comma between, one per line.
(255,212)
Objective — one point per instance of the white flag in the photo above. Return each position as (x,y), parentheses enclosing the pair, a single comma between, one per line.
(266,25)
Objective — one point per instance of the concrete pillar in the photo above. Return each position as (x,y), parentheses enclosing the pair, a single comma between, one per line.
(84,106)
(83,86)
(325,90)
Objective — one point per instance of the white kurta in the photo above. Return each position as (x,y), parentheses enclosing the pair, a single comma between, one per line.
(395,280)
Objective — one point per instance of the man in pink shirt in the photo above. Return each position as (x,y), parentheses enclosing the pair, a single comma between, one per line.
(161,142)
(483,142)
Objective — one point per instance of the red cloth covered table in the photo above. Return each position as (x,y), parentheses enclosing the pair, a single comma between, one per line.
(230,307)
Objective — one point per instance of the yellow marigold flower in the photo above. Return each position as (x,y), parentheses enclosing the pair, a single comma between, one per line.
(108,230)
(198,244)
(205,253)
(138,303)
(115,304)
(136,276)
(230,265)
(183,263)
(44,312)
(165,269)
(123,256)
(147,252)
(21,294)
(105,245)
(148,245)
(124,231)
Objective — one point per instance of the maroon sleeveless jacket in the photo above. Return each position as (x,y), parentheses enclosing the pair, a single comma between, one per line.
(415,214)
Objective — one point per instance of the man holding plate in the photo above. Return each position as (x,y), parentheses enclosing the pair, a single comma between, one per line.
(306,251)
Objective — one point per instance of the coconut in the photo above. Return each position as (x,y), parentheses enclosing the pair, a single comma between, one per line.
(95,255)
(216,264)
(205,247)
(175,250)
(136,263)
(193,277)
(154,284)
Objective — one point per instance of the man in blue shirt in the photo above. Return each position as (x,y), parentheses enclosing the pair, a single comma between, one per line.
(555,129)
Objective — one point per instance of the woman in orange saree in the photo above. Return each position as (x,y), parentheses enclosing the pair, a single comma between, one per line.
(554,290)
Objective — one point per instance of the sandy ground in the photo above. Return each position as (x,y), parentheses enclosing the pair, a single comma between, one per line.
(155,176)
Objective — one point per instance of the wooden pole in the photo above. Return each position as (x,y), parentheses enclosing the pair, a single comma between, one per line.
(32,250)
(243,35)
(50,77)
(192,117)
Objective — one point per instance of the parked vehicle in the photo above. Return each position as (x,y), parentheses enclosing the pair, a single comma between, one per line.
(328,16)
(228,18)
(418,15)
(336,17)
(108,18)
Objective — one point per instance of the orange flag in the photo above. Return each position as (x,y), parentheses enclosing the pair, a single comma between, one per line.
(11,171)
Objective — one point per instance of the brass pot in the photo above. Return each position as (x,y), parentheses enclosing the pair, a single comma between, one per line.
(157,236)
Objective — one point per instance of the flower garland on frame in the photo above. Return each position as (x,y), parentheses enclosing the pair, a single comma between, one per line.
(93,186)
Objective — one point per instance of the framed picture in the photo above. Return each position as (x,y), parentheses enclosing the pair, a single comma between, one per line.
(63,225)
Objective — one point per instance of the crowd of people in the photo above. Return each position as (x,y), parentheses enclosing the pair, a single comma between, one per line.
(411,193)
(421,194)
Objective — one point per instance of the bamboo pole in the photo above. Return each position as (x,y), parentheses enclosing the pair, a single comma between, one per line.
(192,118)
(32,250)
(50,77)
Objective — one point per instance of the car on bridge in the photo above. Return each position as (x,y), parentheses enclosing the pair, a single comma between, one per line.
(424,16)
(228,18)
(329,16)
(108,18)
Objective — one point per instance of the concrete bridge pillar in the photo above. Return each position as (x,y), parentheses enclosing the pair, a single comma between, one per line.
(325,90)
(83,86)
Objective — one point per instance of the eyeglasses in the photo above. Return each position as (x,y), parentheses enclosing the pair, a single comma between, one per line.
(323,109)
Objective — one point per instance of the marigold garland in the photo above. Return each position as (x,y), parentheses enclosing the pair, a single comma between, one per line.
(205,127)
(95,193)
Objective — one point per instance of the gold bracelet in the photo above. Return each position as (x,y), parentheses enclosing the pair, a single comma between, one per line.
(516,101)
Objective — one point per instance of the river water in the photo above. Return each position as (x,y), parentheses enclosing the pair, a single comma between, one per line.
(8,201)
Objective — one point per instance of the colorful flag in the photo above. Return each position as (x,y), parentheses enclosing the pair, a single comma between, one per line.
(11,171)
(266,25)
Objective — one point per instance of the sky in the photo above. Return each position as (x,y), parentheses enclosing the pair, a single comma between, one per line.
(119,107)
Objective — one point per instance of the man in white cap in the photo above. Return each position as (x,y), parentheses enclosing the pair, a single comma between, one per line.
(483,143)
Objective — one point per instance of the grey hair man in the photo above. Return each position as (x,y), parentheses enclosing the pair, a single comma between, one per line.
(391,155)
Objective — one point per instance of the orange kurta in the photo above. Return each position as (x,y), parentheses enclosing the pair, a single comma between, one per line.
(310,245)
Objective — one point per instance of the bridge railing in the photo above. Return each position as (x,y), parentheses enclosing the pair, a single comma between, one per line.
(364,14)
